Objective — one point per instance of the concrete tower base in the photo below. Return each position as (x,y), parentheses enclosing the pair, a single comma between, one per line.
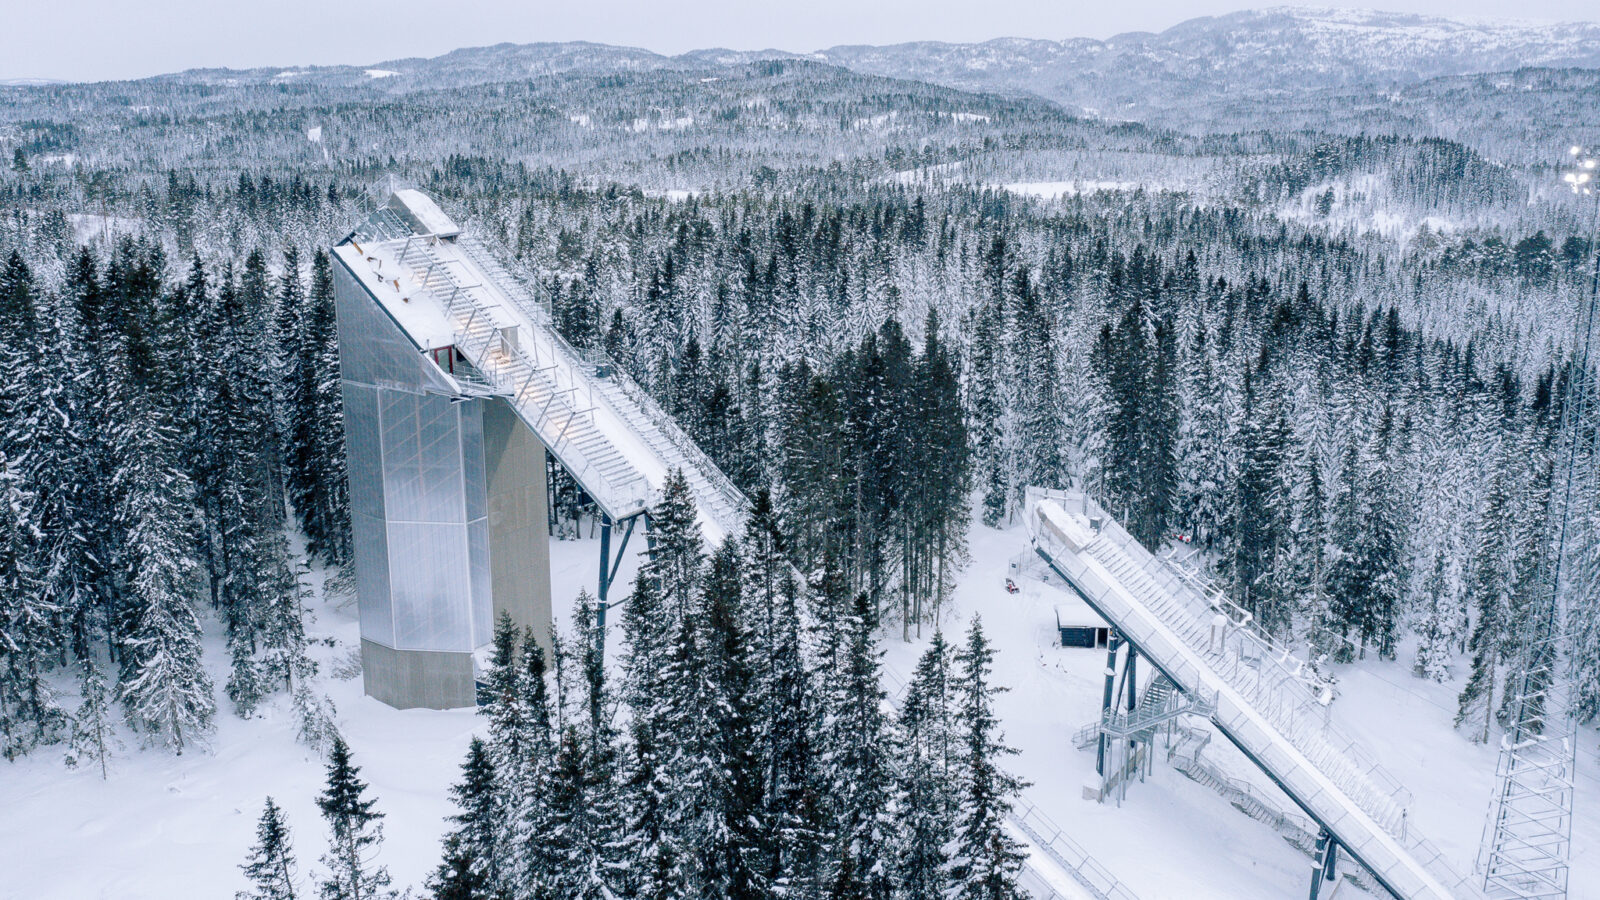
(411,679)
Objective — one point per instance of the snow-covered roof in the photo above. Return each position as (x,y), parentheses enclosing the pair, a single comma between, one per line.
(424,215)
(1074,613)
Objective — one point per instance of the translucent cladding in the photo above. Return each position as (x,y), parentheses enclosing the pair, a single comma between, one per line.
(417,488)
(366,512)
(372,348)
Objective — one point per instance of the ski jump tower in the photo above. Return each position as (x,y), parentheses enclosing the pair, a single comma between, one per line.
(455,388)
(1260,697)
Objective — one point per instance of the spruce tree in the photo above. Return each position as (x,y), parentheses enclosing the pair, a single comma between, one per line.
(355,831)
(93,738)
(164,687)
(270,865)
(856,764)
(585,812)
(474,848)
(1489,591)
(28,626)
(986,859)
(926,797)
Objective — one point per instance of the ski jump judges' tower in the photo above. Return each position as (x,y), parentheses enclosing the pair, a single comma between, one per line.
(455,388)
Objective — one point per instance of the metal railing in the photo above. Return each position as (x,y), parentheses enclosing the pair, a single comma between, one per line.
(727,503)
(545,390)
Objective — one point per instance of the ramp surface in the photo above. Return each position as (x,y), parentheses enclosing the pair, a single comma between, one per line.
(1264,700)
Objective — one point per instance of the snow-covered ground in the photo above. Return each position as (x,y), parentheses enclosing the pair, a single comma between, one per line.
(1055,190)
(166,826)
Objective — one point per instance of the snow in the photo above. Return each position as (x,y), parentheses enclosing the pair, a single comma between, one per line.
(673,195)
(314,135)
(168,826)
(89,228)
(381,73)
(1055,190)
(421,319)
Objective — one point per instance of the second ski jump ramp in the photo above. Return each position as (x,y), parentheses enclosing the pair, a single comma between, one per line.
(1266,702)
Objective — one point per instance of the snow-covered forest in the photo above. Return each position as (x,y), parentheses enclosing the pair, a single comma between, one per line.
(1334,362)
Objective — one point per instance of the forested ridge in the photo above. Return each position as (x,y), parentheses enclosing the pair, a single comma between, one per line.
(1335,365)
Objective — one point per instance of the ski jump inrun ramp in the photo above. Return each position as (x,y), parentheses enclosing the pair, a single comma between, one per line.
(1266,702)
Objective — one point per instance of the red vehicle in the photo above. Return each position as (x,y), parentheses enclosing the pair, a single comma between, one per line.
(1011,586)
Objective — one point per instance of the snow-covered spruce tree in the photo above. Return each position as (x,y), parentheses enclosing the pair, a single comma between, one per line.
(31,613)
(1138,470)
(1308,555)
(93,737)
(314,443)
(1258,518)
(1383,547)
(986,859)
(583,798)
(985,384)
(164,688)
(270,865)
(646,838)
(1202,443)
(708,680)
(473,849)
(782,712)
(1530,639)
(1043,420)
(28,627)
(942,472)
(678,556)
(1489,592)
(855,762)
(1435,627)
(90,354)
(1583,615)
(792,806)
(926,795)
(1345,585)
(523,783)
(355,834)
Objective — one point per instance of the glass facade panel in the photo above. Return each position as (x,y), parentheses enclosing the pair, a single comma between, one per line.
(482,583)
(422,470)
(366,512)
(417,487)
(431,586)
(473,475)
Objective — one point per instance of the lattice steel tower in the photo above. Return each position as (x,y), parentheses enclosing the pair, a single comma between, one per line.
(1527,839)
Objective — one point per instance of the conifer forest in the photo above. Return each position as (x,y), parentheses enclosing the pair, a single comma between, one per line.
(1332,358)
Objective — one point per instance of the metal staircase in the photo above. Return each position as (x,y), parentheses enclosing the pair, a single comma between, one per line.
(1162,703)
(604,429)
(1267,702)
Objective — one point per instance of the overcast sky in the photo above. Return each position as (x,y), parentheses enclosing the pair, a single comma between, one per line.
(102,39)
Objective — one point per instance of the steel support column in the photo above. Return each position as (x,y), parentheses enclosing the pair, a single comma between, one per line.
(1112,643)
(608,570)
